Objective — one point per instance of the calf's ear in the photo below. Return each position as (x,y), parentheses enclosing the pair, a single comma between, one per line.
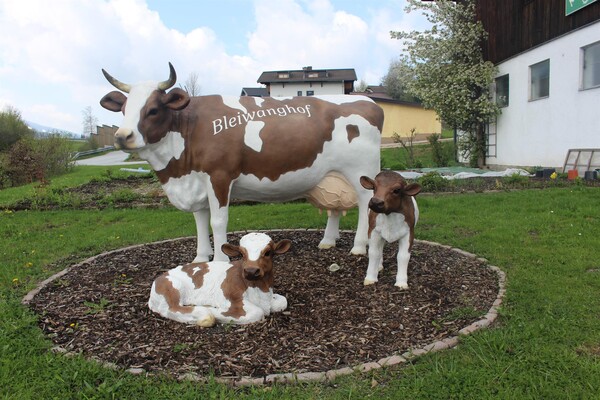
(282,246)
(113,101)
(231,250)
(367,182)
(413,189)
(176,99)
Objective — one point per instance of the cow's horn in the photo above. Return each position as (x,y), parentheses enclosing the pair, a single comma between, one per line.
(169,82)
(116,83)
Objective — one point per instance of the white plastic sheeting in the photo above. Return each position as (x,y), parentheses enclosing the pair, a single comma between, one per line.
(463,175)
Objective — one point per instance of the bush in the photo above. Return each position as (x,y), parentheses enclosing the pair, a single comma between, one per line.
(12,128)
(438,152)
(432,182)
(30,160)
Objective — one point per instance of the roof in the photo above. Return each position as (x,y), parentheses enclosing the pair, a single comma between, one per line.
(255,92)
(379,94)
(308,74)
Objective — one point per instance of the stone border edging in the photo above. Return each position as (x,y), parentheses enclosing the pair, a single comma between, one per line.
(290,378)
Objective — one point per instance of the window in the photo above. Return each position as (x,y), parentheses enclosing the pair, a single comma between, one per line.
(590,76)
(539,86)
(502,91)
(283,75)
(313,75)
(310,92)
(299,92)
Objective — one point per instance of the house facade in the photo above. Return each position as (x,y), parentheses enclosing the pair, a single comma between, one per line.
(400,116)
(548,81)
(403,116)
(308,82)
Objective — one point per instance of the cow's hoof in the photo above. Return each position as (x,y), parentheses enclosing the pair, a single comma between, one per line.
(401,285)
(368,282)
(326,245)
(359,250)
(207,321)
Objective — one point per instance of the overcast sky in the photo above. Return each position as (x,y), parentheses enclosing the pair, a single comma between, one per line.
(52,51)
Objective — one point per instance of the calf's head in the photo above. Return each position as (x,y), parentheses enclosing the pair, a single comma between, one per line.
(148,112)
(390,192)
(257,251)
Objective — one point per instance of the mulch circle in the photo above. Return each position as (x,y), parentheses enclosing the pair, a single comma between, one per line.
(99,308)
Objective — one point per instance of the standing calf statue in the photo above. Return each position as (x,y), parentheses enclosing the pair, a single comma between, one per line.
(240,292)
(207,150)
(393,215)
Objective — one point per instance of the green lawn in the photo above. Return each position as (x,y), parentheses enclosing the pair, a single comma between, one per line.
(545,344)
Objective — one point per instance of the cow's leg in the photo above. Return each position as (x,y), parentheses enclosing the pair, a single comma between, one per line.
(332,231)
(170,306)
(253,314)
(403,259)
(203,249)
(376,243)
(278,303)
(218,222)
(362,228)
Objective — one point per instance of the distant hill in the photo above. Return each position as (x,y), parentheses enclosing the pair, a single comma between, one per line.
(47,130)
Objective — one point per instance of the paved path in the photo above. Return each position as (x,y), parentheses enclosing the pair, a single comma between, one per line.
(117,157)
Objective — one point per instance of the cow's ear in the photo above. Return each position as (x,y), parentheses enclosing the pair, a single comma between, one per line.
(231,250)
(413,189)
(113,101)
(367,182)
(176,99)
(282,246)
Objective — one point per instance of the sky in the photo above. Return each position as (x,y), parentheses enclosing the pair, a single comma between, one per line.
(52,52)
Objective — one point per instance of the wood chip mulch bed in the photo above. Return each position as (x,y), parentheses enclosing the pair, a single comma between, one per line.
(99,308)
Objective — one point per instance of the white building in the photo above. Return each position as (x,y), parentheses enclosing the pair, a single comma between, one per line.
(308,82)
(548,81)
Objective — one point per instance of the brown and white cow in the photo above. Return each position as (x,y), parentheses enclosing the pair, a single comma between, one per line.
(240,292)
(207,150)
(393,215)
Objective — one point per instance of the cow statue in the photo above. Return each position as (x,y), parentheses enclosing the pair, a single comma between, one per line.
(392,218)
(240,292)
(206,150)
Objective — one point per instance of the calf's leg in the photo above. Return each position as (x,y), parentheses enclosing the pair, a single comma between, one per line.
(376,243)
(403,258)
(278,303)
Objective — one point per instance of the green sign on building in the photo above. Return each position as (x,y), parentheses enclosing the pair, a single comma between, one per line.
(576,5)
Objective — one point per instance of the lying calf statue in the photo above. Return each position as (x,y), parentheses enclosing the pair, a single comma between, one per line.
(393,215)
(239,292)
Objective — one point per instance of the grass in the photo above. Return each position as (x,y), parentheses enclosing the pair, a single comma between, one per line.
(546,343)
(396,158)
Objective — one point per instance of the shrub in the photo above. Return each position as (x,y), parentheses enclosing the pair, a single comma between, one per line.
(432,181)
(12,128)
(30,160)
(438,153)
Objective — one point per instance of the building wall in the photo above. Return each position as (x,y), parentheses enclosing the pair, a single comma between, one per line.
(105,135)
(539,133)
(402,118)
(292,89)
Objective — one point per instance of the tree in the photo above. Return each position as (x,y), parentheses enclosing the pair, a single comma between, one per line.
(451,76)
(191,84)
(399,77)
(361,87)
(89,121)
(12,128)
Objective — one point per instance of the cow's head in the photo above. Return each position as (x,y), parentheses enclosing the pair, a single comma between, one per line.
(148,112)
(257,251)
(390,192)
